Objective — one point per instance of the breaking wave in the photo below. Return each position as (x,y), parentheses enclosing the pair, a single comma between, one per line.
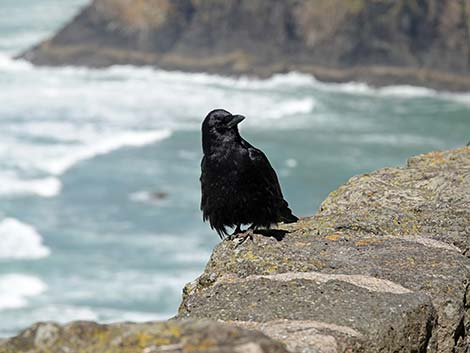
(15,289)
(20,241)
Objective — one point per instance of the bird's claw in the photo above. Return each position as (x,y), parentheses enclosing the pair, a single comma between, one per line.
(242,237)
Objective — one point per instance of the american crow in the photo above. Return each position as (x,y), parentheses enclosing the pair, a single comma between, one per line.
(238,184)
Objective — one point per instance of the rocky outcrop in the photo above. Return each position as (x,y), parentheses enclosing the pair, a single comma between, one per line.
(382,267)
(421,42)
(169,337)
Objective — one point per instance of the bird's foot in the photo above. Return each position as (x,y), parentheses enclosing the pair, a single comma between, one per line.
(235,233)
(242,237)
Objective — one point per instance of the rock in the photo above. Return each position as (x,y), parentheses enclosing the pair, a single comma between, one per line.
(171,337)
(159,195)
(380,42)
(382,267)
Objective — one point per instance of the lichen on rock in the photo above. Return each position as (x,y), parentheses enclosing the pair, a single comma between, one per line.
(383,266)
(386,256)
(171,336)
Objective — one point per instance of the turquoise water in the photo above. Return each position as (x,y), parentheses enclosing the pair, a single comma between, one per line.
(81,152)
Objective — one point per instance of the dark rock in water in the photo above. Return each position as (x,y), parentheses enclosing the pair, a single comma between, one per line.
(171,337)
(381,42)
(159,195)
(382,267)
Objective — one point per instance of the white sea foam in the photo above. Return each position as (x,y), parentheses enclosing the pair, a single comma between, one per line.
(361,88)
(144,76)
(290,108)
(8,64)
(55,159)
(70,114)
(20,241)
(292,163)
(406,91)
(279,81)
(45,187)
(129,139)
(15,289)
(142,196)
(398,91)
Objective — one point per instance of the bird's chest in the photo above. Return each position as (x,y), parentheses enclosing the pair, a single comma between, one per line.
(227,173)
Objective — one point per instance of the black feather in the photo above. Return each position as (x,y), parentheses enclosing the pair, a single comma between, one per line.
(238,184)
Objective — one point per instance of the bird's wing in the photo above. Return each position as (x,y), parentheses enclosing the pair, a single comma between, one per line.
(267,180)
(266,174)
(203,184)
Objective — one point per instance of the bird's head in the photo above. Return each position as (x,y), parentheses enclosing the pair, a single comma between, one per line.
(220,126)
(221,121)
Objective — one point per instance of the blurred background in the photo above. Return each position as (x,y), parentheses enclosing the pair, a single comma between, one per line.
(100,140)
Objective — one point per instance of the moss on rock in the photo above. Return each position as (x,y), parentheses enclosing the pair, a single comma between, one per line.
(170,336)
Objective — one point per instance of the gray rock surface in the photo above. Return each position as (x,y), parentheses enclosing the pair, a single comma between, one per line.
(382,42)
(170,337)
(383,266)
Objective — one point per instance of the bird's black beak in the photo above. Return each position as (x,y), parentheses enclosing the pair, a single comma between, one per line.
(236,119)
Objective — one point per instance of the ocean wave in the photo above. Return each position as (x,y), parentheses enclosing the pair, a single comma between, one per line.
(361,88)
(8,64)
(55,159)
(290,108)
(15,186)
(406,91)
(288,80)
(20,241)
(128,139)
(15,289)
(294,79)
(132,285)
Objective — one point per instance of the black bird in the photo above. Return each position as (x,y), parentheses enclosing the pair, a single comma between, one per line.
(238,184)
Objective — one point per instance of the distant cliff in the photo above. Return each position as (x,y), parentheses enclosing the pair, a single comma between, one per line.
(421,42)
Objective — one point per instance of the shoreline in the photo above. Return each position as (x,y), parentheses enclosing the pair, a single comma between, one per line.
(374,76)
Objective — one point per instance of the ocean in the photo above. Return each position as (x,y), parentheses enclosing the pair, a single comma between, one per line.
(99,169)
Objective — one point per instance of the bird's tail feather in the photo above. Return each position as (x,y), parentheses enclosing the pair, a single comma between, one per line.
(287,216)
